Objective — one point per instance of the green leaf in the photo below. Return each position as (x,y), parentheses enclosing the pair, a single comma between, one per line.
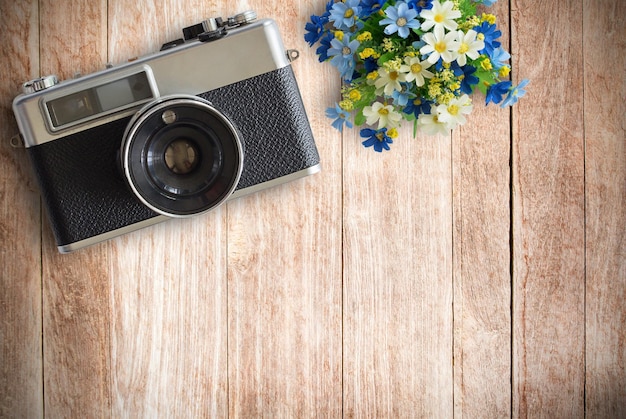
(359,118)
(485,79)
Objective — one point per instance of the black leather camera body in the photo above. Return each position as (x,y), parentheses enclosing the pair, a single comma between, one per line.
(175,134)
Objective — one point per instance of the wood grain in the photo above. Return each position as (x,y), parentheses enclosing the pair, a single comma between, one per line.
(21,367)
(482,273)
(284,276)
(76,309)
(548,211)
(397,278)
(477,275)
(169,299)
(605,162)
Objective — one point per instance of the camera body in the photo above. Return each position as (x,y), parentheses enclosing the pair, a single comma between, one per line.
(174,134)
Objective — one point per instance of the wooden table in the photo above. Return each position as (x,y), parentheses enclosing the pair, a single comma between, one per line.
(479,275)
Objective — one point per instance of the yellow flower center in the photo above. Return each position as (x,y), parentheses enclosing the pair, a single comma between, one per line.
(440,47)
(393,75)
(401,22)
(453,110)
(348,14)
(417,102)
(416,68)
(438,18)
(380,136)
(383,111)
(463,48)
(346,51)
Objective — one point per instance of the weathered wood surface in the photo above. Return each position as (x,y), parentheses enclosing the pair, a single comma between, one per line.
(477,275)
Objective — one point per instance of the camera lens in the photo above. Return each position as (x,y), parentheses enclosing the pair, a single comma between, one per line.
(181,156)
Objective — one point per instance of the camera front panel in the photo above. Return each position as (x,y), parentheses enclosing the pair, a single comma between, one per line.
(82,184)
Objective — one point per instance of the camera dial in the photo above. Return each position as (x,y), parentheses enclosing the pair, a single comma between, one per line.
(40,84)
(181,156)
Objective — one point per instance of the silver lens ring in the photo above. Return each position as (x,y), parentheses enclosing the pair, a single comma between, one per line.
(181,156)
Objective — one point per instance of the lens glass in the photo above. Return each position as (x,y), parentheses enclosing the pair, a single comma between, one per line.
(182,157)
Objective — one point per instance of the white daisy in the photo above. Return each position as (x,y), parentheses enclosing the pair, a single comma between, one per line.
(440,44)
(430,124)
(468,46)
(453,114)
(440,16)
(385,115)
(389,81)
(416,69)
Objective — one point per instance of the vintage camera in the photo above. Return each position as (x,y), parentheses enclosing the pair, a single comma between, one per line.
(210,117)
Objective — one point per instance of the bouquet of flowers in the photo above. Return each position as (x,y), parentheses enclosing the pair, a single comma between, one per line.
(413,60)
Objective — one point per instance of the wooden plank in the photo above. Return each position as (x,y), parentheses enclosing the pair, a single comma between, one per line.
(168,282)
(548,211)
(482,276)
(398,278)
(21,364)
(605,163)
(168,327)
(284,271)
(75,287)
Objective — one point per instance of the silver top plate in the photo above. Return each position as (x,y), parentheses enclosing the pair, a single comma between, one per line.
(192,68)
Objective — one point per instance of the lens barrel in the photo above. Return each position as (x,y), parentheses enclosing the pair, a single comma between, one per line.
(181,156)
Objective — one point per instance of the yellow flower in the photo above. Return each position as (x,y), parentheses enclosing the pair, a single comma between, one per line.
(470,23)
(487,17)
(434,89)
(393,65)
(354,95)
(339,35)
(346,105)
(486,64)
(445,98)
(388,45)
(373,75)
(504,71)
(369,52)
(447,75)
(392,133)
(365,36)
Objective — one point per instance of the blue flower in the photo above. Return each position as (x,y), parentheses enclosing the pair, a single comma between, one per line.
(340,117)
(417,106)
(514,94)
(322,50)
(496,91)
(369,7)
(344,14)
(420,5)
(401,98)
(491,34)
(468,80)
(400,19)
(377,138)
(370,65)
(498,57)
(315,29)
(342,53)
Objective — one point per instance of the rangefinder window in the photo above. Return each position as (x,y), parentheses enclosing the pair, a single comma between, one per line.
(89,103)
